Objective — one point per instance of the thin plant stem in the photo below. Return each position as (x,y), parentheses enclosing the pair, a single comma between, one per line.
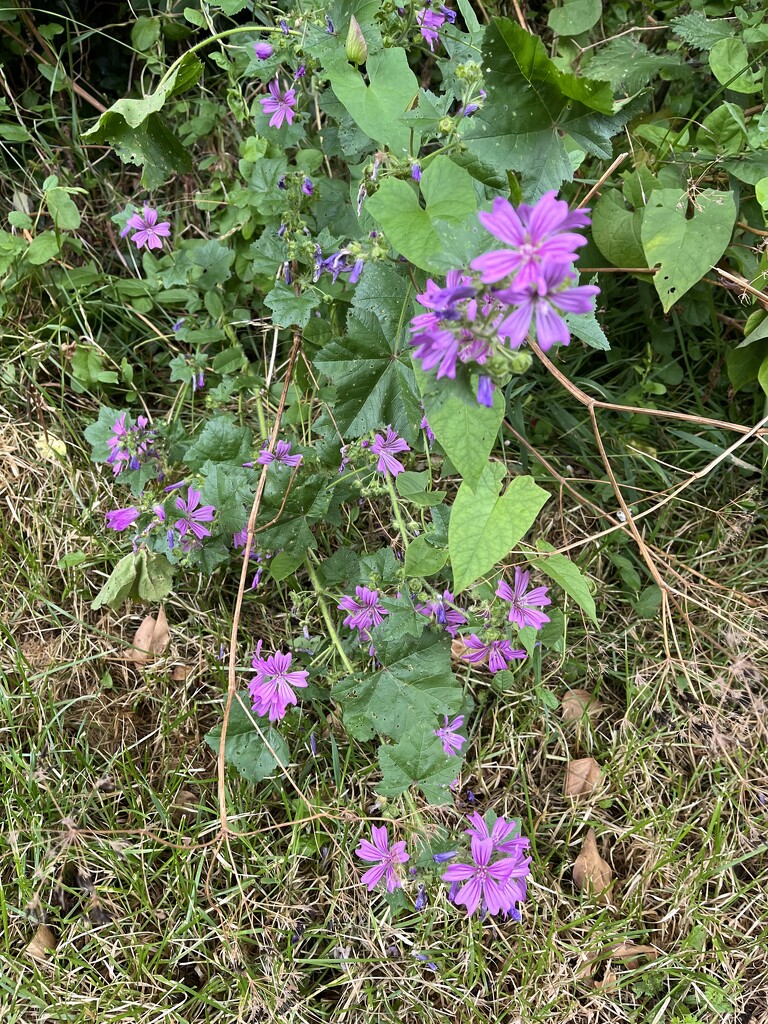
(330,625)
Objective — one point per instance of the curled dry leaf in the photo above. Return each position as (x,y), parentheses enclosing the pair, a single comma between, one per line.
(180,672)
(629,952)
(42,943)
(590,872)
(577,704)
(151,639)
(582,776)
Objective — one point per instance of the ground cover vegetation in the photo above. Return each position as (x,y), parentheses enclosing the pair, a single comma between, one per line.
(384,404)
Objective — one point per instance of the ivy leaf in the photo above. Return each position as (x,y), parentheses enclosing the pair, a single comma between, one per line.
(485,525)
(246,746)
(418,760)
(685,249)
(379,108)
(531,105)
(567,575)
(371,365)
(444,234)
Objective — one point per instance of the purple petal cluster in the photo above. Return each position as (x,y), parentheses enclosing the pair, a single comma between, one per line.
(449,737)
(384,856)
(282,454)
(364,613)
(279,104)
(193,515)
(525,603)
(147,232)
(338,263)
(499,653)
(429,21)
(122,518)
(443,610)
(386,448)
(130,445)
(271,688)
(494,877)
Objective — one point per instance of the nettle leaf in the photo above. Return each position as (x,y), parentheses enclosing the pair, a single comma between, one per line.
(486,525)
(531,106)
(629,65)
(413,687)
(371,365)
(247,745)
(585,327)
(567,575)
(418,760)
(379,108)
(138,133)
(220,440)
(466,431)
(701,32)
(685,249)
(443,235)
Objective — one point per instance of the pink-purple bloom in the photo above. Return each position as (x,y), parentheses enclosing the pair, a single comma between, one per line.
(443,610)
(129,446)
(271,688)
(537,236)
(429,22)
(122,518)
(496,883)
(147,231)
(385,857)
(498,834)
(543,299)
(263,50)
(194,515)
(498,652)
(364,613)
(282,453)
(525,603)
(386,449)
(449,737)
(279,104)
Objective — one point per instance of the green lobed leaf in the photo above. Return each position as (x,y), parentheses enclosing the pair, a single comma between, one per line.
(485,525)
(567,575)
(290,309)
(220,440)
(247,744)
(418,760)
(439,236)
(531,105)
(228,489)
(685,249)
(371,365)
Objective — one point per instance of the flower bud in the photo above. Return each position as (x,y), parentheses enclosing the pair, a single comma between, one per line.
(355,47)
(520,362)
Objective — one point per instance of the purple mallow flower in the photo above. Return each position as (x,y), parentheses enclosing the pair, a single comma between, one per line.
(443,858)
(424,425)
(537,235)
(442,609)
(271,687)
(499,884)
(386,449)
(498,834)
(473,105)
(282,453)
(364,613)
(263,50)
(452,742)
(524,602)
(498,652)
(122,518)
(193,515)
(147,231)
(130,446)
(429,22)
(307,187)
(387,857)
(416,172)
(279,104)
(543,298)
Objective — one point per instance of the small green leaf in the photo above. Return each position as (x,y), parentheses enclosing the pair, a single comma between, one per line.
(422,559)
(62,209)
(413,487)
(729,61)
(290,309)
(685,249)
(567,575)
(145,33)
(155,577)
(43,248)
(575,17)
(485,525)
(285,564)
(616,231)
(247,744)
(119,585)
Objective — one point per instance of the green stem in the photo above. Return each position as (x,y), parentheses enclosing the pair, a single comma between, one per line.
(335,640)
(396,509)
(213,39)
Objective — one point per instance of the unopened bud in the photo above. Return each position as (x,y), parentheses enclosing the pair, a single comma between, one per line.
(356,47)
(520,362)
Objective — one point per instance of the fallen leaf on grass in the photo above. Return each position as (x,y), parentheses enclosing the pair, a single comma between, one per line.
(577,704)
(42,943)
(151,639)
(590,872)
(629,952)
(179,673)
(582,777)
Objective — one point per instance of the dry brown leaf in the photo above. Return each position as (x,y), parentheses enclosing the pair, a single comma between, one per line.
(627,951)
(42,943)
(577,704)
(180,672)
(582,776)
(590,872)
(630,951)
(151,639)
(458,648)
